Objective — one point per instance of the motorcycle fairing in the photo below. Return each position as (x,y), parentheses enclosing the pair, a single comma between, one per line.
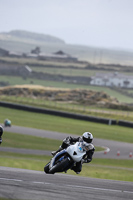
(77,147)
(56,157)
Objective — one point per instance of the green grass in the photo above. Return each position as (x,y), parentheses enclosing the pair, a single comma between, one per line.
(65,71)
(24,161)
(66,125)
(4,198)
(29,142)
(72,71)
(32,142)
(107,172)
(98,168)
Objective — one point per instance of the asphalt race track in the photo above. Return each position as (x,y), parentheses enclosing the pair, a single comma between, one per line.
(35,185)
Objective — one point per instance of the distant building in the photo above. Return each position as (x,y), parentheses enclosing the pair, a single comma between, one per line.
(15,54)
(36,50)
(15,70)
(57,56)
(112,80)
(61,53)
(4,52)
(36,54)
(31,55)
(24,71)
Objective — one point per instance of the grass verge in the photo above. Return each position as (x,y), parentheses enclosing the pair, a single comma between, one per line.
(32,142)
(98,168)
(66,125)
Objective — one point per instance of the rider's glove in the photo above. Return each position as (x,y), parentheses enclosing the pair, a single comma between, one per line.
(83,161)
(70,139)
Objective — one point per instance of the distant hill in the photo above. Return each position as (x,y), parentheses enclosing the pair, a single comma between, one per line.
(25,41)
(26,35)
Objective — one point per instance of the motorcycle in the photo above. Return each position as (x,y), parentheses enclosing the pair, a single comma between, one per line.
(68,157)
(7,122)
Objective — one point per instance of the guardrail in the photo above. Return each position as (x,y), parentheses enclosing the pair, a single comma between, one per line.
(59,113)
(125,123)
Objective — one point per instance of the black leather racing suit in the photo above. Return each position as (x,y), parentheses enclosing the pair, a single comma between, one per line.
(1,132)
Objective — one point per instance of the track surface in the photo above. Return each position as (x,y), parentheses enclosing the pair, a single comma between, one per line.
(26,184)
(114,146)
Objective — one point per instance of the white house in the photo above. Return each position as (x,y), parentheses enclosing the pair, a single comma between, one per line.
(112,79)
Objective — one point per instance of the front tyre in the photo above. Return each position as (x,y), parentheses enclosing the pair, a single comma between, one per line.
(46,168)
(59,167)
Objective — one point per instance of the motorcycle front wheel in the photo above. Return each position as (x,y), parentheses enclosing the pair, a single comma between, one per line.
(46,168)
(59,167)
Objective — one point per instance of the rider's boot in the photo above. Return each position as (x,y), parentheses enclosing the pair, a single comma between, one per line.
(76,170)
(55,152)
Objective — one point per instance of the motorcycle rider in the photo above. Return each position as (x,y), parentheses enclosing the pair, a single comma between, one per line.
(87,137)
(1,132)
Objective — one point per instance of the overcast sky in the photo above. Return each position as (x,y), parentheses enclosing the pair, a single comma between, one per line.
(101,23)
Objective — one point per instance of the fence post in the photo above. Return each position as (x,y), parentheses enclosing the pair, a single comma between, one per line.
(110,121)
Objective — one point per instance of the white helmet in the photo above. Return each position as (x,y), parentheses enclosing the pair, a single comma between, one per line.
(87,137)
